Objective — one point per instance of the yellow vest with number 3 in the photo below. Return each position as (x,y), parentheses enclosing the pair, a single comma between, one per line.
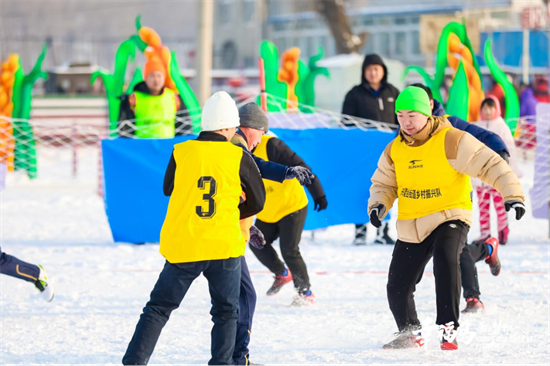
(426,182)
(202,221)
(282,199)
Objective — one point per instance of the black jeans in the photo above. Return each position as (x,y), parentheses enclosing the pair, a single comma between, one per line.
(289,229)
(470,255)
(445,244)
(224,283)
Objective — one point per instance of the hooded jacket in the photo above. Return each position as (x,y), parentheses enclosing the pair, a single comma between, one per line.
(364,102)
(466,155)
(127,112)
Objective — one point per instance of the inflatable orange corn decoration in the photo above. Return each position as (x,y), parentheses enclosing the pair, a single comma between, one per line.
(288,72)
(476,95)
(7,79)
(155,49)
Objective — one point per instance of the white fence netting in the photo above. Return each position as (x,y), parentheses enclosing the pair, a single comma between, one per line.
(69,152)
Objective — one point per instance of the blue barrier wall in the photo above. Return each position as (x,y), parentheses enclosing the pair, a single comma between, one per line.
(344,161)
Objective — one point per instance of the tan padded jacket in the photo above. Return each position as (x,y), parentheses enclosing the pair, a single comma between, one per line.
(466,155)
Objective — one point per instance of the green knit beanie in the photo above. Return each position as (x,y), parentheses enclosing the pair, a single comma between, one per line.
(415,99)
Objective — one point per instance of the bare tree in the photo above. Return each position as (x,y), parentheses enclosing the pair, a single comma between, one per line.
(334,13)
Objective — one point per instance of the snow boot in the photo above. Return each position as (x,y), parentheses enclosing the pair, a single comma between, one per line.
(492,260)
(44,285)
(279,282)
(382,235)
(304,299)
(360,235)
(473,305)
(503,236)
(447,337)
(406,339)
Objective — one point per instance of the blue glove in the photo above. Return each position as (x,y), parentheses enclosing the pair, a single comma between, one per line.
(257,239)
(303,175)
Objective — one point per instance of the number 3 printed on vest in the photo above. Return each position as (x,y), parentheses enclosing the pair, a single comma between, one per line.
(208,197)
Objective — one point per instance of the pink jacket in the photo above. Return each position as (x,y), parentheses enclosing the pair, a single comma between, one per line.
(497,125)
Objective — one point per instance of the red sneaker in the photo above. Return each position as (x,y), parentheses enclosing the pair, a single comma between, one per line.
(473,305)
(492,260)
(447,337)
(279,282)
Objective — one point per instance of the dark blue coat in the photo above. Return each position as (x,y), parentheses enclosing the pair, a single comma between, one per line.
(268,169)
(490,139)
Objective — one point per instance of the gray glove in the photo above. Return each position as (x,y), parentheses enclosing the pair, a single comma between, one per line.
(375,213)
(516,205)
(303,175)
(257,239)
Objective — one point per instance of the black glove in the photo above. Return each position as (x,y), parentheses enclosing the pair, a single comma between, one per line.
(516,205)
(375,213)
(320,204)
(257,239)
(303,175)
(504,155)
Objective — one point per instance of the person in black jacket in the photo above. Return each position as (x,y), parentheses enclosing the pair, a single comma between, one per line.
(373,99)
(283,217)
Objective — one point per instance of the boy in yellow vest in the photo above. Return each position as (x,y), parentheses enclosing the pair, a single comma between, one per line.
(283,217)
(427,168)
(152,110)
(201,232)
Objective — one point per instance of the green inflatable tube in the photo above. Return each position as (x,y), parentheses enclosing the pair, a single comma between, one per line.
(428,80)
(510,95)
(308,86)
(186,93)
(25,144)
(457,104)
(273,86)
(114,83)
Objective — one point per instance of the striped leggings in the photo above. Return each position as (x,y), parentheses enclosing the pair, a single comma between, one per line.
(484,194)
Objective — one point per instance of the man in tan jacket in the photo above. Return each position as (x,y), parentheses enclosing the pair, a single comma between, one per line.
(428,169)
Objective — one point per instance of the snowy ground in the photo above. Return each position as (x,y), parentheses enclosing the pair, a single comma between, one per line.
(102,286)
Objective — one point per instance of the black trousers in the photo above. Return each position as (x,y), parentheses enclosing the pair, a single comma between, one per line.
(15,267)
(445,244)
(470,255)
(289,229)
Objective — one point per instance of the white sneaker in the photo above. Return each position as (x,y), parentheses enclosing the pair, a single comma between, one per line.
(304,300)
(44,285)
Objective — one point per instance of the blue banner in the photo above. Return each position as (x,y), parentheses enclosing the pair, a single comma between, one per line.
(344,161)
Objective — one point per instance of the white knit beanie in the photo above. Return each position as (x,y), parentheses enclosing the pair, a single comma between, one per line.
(219,112)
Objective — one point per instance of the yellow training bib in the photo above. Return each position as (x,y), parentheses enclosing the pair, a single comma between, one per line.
(282,199)
(202,221)
(426,182)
